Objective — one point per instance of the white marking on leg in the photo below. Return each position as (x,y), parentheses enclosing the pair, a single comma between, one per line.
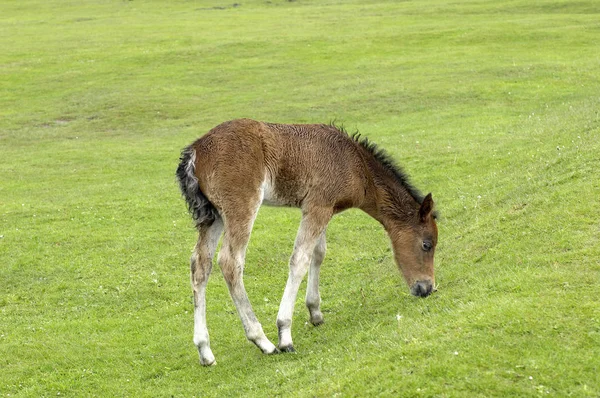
(232,271)
(298,267)
(311,227)
(231,260)
(201,339)
(313,298)
(201,265)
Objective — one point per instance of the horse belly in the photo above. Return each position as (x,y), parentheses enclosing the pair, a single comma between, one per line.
(270,196)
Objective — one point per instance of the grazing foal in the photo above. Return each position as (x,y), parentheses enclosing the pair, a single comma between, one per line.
(226,175)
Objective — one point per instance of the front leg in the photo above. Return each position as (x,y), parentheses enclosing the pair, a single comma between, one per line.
(313,298)
(311,227)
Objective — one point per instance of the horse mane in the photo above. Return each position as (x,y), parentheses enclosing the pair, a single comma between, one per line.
(385,160)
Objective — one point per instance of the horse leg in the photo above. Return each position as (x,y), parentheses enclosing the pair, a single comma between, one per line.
(311,227)
(313,298)
(231,260)
(201,265)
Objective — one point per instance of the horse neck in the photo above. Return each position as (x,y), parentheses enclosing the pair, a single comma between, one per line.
(387,200)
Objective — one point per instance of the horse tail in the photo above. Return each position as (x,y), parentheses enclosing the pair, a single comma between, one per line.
(202,210)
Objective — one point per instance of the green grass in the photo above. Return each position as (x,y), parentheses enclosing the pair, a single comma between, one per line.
(492,106)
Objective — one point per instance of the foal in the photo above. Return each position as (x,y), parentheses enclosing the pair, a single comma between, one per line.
(228,173)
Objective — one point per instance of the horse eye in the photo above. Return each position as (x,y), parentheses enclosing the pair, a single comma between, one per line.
(427,245)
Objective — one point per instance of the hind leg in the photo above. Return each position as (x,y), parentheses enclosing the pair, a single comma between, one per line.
(313,298)
(231,260)
(201,265)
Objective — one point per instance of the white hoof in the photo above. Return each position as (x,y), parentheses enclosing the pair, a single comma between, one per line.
(266,346)
(206,357)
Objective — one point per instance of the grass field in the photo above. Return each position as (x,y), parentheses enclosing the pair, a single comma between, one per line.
(494,106)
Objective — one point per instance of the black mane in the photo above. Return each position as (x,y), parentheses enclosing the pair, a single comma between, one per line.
(385,160)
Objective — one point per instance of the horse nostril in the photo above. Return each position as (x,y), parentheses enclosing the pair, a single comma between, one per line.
(421,288)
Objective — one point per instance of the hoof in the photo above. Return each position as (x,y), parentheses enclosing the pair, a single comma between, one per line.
(316,318)
(213,362)
(266,346)
(206,357)
(289,348)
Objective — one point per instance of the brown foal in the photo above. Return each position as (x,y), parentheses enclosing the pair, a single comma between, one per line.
(226,175)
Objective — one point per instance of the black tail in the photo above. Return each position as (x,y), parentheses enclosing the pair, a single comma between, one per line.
(203,212)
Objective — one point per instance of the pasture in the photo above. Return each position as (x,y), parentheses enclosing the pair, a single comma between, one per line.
(493,106)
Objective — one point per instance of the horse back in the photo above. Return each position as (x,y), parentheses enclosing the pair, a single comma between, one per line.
(298,165)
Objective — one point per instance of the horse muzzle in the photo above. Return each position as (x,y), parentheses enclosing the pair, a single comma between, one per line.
(421,288)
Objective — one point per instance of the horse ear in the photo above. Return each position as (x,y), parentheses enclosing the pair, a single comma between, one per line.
(426,207)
